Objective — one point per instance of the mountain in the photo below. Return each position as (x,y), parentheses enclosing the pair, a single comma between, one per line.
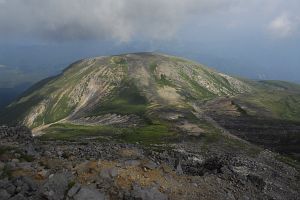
(151,126)
(145,97)
(156,80)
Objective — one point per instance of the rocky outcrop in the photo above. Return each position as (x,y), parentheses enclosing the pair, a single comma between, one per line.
(109,119)
(15,133)
(76,170)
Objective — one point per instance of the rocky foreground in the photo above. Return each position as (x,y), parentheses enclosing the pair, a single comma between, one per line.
(34,169)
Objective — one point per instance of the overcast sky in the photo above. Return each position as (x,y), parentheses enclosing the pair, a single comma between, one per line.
(254,38)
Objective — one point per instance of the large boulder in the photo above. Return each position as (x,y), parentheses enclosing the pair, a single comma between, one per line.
(89,193)
(56,186)
(4,194)
(150,193)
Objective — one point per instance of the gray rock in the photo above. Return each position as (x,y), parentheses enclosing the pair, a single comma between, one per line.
(30,184)
(4,194)
(150,165)
(2,165)
(240,170)
(257,181)
(18,197)
(179,169)
(17,155)
(132,163)
(148,193)
(56,186)
(109,173)
(87,193)
(4,183)
(47,154)
(10,188)
(24,165)
(15,160)
(11,165)
(74,190)
(30,150)
(60,153)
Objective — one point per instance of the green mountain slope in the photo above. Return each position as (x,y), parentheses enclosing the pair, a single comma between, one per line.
(126,84)
(273,99)
(156,98)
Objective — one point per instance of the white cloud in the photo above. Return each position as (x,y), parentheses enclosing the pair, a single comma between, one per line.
(119,19)
(283,26)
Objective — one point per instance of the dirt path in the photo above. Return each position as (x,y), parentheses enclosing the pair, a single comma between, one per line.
(38,130)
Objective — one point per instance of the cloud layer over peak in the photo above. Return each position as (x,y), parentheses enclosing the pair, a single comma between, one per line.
(100,19)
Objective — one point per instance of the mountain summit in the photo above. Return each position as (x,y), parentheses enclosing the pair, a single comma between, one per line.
(130,83)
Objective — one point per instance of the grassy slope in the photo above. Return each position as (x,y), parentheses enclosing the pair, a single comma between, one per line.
(30,98)
(124,100)
(188,85)
(48,89)
(147,134)
(280,99)
(59,107)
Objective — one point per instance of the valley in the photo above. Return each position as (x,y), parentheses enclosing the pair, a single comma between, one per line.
(9,94)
